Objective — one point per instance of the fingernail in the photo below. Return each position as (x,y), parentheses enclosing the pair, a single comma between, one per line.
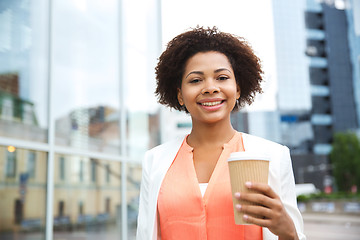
(245,217)
(237,194)
(238,206)
(248,184)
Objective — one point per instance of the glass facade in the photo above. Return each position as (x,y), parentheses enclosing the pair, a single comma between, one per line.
(87,197)
(76,115)
(23,70)
(291,64)
(85,75)
(22,192)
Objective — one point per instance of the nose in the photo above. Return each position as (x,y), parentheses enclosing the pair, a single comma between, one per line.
(210,87)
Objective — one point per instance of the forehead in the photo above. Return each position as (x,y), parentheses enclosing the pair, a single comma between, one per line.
(207,60)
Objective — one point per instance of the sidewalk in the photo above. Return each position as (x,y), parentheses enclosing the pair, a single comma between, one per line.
(331,218)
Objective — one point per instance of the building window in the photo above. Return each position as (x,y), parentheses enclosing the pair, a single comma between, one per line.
(81,208)
(27,114)
(107,174)
(19,212)
(10,164)
(31,164)
(61,208)
(93,170)
(107,205)
(7,111)
(62,168)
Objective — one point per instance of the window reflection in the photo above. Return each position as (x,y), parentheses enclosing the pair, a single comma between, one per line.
(85,71)
(23,84)
(133,192)
(31,164)
(95,128)
(22,193)
(87,197)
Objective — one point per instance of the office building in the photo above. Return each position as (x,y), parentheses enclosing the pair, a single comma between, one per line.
(353,19)
(331,74)
(331,71)
(75,117)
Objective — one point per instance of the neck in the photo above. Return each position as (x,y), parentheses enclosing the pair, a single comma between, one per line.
(210,134)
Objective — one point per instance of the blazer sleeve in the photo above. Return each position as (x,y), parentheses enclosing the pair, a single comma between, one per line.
(288,195)
(142,228)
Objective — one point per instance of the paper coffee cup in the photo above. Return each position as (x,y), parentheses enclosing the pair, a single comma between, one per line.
(246,167)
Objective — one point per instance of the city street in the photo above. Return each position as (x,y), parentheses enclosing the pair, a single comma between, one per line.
(321,226)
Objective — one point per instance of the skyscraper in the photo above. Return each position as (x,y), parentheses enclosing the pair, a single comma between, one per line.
(353,19)
(331,75)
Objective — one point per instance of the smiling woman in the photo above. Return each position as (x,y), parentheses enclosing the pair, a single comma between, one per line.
(245,65)
(209,86)
(209,74)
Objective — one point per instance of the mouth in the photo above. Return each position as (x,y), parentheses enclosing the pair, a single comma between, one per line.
(210,104)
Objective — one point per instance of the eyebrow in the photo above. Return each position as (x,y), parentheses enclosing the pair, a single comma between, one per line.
(202,73)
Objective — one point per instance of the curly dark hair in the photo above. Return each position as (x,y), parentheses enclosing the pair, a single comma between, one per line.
(171,65)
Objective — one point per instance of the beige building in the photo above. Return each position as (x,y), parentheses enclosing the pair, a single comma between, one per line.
(86,190)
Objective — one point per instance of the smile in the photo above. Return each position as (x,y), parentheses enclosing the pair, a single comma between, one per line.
(211,103)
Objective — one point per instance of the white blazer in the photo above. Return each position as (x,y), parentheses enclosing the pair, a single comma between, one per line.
(158,160)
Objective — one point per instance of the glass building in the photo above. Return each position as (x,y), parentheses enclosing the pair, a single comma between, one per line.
(76,115)
(353,20)
(291,63)
(331,72)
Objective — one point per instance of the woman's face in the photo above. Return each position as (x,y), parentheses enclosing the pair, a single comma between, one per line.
(208,89)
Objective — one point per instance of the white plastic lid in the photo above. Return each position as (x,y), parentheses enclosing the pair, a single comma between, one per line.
(235,156)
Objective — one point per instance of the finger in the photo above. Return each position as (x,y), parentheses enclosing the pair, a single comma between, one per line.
(255,210)
(257,221)
(263,188)
(257,199)
(260,199)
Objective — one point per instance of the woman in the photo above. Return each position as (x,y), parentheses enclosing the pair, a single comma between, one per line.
(185,190)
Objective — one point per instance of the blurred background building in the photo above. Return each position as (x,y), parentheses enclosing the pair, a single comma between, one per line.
(77,110)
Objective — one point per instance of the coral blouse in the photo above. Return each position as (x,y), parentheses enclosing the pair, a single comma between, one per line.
(185,214)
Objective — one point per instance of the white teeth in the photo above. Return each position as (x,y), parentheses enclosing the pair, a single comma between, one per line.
(211,103)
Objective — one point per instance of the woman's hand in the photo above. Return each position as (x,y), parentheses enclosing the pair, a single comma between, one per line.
(271,212)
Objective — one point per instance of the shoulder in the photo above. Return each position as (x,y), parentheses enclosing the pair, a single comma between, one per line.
(254,143)
(165,151)
(174,143)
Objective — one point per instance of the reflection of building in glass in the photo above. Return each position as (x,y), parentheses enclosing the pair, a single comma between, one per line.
(95,128)
(12,107)
(22,186)
(45,72)
(87,190)
(17,115)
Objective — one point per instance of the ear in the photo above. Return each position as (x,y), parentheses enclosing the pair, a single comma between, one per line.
(179,97)
(238,92)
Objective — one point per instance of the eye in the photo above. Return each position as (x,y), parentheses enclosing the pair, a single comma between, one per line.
(195,80)
(223,77)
